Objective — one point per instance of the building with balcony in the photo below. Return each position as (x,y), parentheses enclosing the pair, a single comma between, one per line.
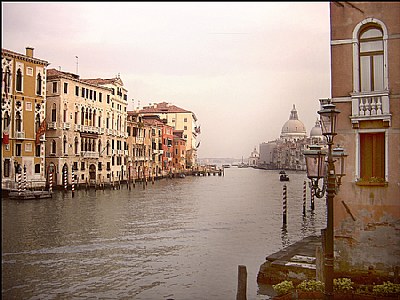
(365,87)
(23,109)
(179,151)
(86,129)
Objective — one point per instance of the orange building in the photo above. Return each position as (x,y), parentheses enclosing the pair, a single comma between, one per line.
(365,74)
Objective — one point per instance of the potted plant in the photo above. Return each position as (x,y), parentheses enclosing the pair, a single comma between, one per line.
(387,289)
(343,288)
(283,289)
(310,289)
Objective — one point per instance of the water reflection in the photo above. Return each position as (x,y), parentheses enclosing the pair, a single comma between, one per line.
(177,238)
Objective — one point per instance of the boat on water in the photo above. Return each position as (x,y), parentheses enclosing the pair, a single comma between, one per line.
(181,175)
(226,166)
(283,176)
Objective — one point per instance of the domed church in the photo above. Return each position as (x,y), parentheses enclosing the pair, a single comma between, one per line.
(293,129)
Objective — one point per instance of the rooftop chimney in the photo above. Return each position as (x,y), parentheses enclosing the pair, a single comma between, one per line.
(29,51)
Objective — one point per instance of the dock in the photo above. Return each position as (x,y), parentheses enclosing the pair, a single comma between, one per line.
(29,195)
(296,262)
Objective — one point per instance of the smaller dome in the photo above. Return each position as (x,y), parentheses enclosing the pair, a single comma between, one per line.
(316,131)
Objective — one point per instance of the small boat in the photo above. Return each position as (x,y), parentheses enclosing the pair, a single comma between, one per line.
(283,176)
(226,166)
(182,175)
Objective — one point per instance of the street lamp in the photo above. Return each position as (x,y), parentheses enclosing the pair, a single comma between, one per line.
(321,165)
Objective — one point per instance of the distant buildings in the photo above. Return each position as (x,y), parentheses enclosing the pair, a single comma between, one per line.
(287,151)
(57,125)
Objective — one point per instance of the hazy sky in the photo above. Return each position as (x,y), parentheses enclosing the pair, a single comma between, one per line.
(239,66)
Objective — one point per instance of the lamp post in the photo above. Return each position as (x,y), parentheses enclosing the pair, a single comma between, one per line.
(320,168)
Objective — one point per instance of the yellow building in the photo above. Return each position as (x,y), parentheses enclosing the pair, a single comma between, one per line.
(86,129)
(23,113)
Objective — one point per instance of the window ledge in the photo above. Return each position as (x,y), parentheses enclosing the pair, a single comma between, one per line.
(367,183)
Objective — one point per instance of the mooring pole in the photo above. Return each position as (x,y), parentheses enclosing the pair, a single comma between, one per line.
(284,204)
(304,197)
(242,283)
(72,181)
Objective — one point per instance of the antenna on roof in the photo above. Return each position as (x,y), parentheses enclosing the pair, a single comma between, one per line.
(76,65)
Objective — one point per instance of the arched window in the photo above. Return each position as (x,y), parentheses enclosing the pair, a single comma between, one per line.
(76,145)
(53,147)
(18,122)
(65,145)
(18,85)
(39,84)
(83,116)
(371,59)
(6,121)
(37,122)
(54,113)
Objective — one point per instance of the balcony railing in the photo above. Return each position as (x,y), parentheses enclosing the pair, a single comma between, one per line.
(78,127)
(89,154)
(52,125)
(20,135)
(370,106)
(66,125)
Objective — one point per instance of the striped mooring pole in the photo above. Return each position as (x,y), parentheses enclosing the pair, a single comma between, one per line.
(51,182)
(72,181)
(25,182)
(284,204)
(19,182)
(65,179)
(312,198)
(304,197)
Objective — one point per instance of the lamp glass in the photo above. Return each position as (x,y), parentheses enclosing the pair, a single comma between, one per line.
(315,162)
(328,118)
(339,155)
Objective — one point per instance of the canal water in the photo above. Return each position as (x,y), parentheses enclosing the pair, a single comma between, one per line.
(180,238)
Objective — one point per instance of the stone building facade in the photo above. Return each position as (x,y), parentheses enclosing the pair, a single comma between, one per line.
(365,74)
(23,108)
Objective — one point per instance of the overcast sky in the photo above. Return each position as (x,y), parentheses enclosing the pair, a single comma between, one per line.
(239,66)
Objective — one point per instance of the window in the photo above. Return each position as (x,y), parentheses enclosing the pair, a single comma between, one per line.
(7,164)
(6,121)
(108,99)
(99,167)
(100,97)
(82,166)
(76,146)
(18,122)
(39,84)
(54,113)
(53,147)
(18,149)
(65,145)
(37,168)
(372,156)
(54,87)
(108,166)
(185,120)
(83,92)
(371,59)
(65,116)
(76,90)
(18,85)
(37,151)
(65,87)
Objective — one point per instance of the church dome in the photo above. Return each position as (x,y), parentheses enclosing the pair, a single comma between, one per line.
(316,131)
(293,128)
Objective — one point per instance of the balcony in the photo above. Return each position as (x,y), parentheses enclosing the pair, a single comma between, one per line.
(370,106)
(139,140)
(89,154)
(20,135)
(78,127)
(66,126)
(51,125)
(101,130)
